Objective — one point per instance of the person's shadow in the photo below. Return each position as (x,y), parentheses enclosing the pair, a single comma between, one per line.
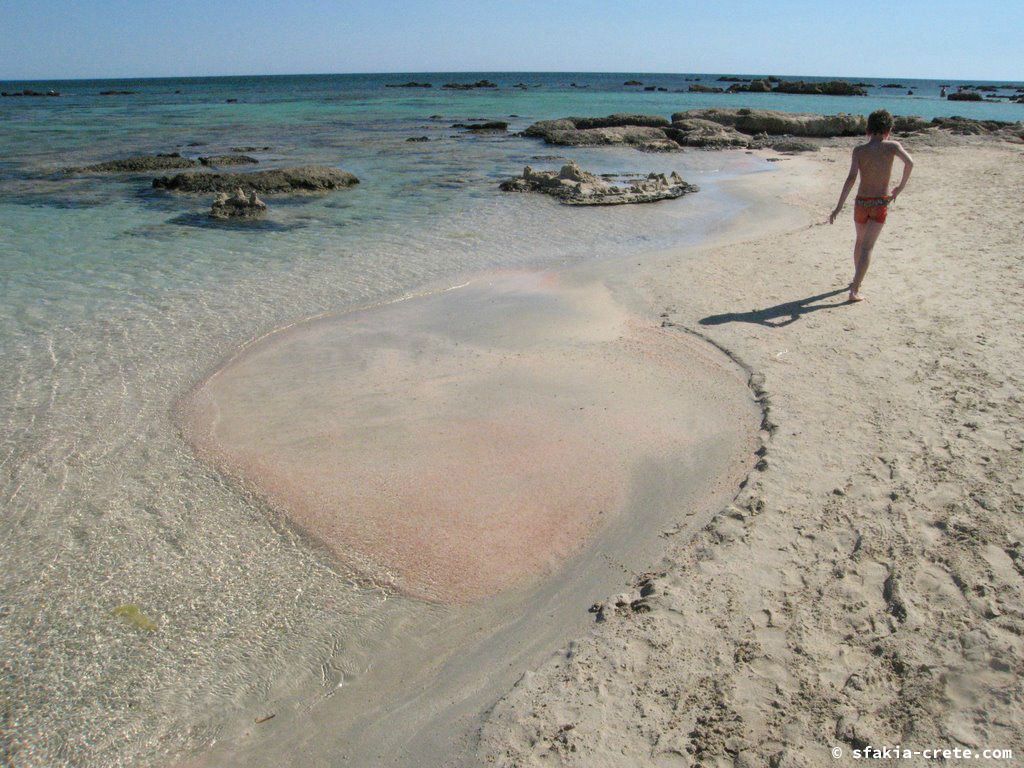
(791,310)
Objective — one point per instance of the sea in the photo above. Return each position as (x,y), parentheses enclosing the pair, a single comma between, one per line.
(144,597)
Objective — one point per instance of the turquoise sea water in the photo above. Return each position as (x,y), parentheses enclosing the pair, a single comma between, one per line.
(115,300)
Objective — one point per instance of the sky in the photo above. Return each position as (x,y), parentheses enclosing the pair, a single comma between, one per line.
(43,39)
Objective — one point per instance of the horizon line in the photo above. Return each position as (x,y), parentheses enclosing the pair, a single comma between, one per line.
(486,72)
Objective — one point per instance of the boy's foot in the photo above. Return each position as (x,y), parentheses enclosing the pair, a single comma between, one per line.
(855,296)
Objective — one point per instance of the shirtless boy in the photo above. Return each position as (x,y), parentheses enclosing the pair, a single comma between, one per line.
(873,161)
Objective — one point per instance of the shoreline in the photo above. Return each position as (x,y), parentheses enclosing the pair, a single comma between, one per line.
(767,211)
(864,588)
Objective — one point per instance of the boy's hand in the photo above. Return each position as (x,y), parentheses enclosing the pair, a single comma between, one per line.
(832,216)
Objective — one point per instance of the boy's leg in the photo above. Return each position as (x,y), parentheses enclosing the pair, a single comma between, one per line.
(861,227)
(872,229)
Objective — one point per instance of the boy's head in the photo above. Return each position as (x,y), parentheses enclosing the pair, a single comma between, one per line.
(880,122)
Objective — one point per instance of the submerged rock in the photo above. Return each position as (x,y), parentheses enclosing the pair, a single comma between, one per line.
(410,84)
(640,131)
(238,206)
(306,178)
(490,125)
(964,96)
(698,88)
(469,86)
(574,186)
(138,164)
(705,134)
(222,160)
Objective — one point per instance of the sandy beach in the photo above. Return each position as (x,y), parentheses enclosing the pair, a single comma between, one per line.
(864,588)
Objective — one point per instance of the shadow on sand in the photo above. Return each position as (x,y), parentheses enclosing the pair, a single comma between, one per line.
(773,316)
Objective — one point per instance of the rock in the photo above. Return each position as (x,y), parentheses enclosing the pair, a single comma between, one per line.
(632,82)
(705,134)
(28,92)
(733,79)
(117,93)
(964,96)
(775,123)
(418,138)
(230,101)
(238,206)
(894,85)
(794,146)
(966,126)
(641,131)
(139,164)
(755,86)
(223,160)
(303,179)
(248,149)
(469,86)
(829,88)
(492,125)
(698,88)
(574,186)
(909,124)
(410,84)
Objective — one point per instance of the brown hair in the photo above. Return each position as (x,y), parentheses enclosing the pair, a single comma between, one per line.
(880,122)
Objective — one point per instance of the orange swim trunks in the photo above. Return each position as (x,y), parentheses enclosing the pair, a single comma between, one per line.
(867,209)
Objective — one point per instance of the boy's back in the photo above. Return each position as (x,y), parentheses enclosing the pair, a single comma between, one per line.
(874,163)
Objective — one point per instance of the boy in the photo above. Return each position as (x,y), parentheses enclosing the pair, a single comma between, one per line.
(873,161)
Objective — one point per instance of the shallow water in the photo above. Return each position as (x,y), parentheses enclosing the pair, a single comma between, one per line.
(115,301)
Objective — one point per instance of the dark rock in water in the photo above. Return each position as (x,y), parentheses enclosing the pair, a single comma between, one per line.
(910,93)
(198,144)
(410,84)
(28,92)
(250,149)
(469,86)
(665,90)
(238,206)
(894,85)
(646,87)
(632,82)
(224,160)
(117,93)
(436,117)
(303,179)
(830,88)
(733,79)
(418,138)
(573,186)
(698,88)
(754,86)
(964,96)
(492,125)
(230,101)
(139,164)
(864,85)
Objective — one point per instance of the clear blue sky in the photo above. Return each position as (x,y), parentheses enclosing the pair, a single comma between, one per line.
(143,38)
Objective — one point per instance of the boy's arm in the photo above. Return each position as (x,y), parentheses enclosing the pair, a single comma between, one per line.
(908,166)
(850,178)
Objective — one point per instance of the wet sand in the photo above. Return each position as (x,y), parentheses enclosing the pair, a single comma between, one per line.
(495,457)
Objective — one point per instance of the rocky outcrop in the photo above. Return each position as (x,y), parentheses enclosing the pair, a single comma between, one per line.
(640,131)
(705,134)
(966,126)
(418,139)
(754,86)
(221,161)
(964,96)
(28,92)
(238,206)
(829,88)
(469,86)
(410,84)
(775,123)
(632,82)
(303,179)
(139,164)
(117,93)
(698,88)
(250,149)
(573,186)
